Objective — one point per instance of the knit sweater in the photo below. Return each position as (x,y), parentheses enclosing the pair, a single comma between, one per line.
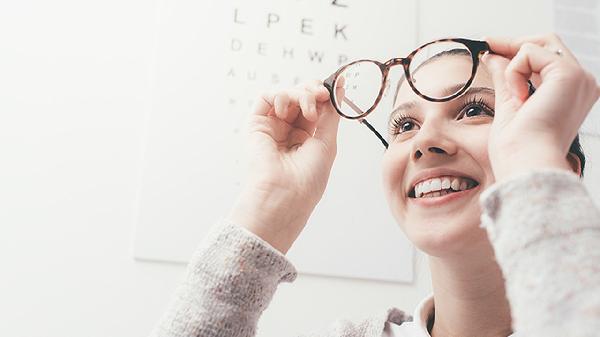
(543,225)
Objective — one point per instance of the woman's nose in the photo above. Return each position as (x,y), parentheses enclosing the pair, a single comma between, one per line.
(432,141)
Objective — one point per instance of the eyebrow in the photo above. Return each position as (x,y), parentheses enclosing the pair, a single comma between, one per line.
(447,91)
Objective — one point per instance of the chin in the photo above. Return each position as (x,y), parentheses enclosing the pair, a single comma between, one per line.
(445,237)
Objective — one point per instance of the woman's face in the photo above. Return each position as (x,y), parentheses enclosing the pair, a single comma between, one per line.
(440,146)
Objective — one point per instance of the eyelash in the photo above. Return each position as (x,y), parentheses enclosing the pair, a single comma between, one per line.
(400,119)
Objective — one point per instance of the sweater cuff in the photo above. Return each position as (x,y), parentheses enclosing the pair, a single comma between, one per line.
(522,210)
(236,248)
(230,280)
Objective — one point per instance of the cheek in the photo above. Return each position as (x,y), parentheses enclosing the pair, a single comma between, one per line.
(394,165)
(478,149)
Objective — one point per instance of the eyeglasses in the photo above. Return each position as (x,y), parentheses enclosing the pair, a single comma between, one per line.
(357,88)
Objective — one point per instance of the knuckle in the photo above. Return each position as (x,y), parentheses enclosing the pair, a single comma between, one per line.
(281,97)
(577,72)
(510,68)
(572,74)
(554,37)
(592,84)
(268,97)
(527,47)
(590,77)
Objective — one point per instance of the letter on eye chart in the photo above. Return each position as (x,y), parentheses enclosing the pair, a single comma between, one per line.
(340,31)
(338,3)
(289,52)
(306,28)
(235,17)
(271,19)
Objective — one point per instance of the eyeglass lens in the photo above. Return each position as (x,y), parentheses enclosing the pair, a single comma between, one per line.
(363,81)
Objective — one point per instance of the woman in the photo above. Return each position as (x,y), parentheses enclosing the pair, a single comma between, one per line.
(511,237)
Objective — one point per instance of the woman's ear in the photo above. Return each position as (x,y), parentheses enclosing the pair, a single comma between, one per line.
(575,163)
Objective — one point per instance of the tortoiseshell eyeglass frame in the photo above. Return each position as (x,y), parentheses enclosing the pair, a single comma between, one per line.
(476,48)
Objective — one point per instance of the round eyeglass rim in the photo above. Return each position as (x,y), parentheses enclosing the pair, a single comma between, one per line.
(476,49)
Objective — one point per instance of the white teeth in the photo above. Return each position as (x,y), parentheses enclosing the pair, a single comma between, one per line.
(445,183)
(423,188)
(436,184)
(441,186)
(426,186)
(455,184)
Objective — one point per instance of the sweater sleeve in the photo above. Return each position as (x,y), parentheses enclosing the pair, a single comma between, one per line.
(229,282)
(545,230)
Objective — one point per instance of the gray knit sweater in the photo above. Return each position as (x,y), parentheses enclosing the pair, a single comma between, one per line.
(544,228)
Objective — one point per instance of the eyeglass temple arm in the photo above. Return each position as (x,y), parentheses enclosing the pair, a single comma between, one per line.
(365,122)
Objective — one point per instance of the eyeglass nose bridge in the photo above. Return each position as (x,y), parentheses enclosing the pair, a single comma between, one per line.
(396,61)
(385,67)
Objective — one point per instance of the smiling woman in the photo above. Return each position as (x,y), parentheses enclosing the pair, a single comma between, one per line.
(482,175)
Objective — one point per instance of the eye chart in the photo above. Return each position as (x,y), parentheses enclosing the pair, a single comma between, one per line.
(212,59)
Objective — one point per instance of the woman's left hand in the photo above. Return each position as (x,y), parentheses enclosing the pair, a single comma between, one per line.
(537,131)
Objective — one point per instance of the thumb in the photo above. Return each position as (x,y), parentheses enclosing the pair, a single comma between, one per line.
(327,126)
(496,67)
(505,102)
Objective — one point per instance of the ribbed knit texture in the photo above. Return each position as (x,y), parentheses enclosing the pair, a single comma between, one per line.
(229,283)
(544,228)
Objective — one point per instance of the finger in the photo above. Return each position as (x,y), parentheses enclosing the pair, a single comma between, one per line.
(281,102)
(303,110)
(536,80)
(308,104)
(509,47)
(530,59)
(264,105)
(327,126)
(318,89)
(283,105)
(316,93)
(496,65)
(291,103)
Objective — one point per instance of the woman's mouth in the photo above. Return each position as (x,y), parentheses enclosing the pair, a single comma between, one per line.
(441,189)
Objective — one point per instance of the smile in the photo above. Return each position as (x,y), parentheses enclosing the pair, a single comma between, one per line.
(441,186)
(436,192)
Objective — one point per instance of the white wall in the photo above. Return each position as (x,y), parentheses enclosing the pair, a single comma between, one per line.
(74,87)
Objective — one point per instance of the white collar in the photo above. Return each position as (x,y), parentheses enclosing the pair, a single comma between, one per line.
(418,327)
(422,313)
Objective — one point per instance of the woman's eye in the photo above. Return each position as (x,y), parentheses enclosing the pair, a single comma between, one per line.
(407,126)
(402,124)
(474,110)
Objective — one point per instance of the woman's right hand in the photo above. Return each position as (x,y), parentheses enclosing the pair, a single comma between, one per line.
(292,146)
